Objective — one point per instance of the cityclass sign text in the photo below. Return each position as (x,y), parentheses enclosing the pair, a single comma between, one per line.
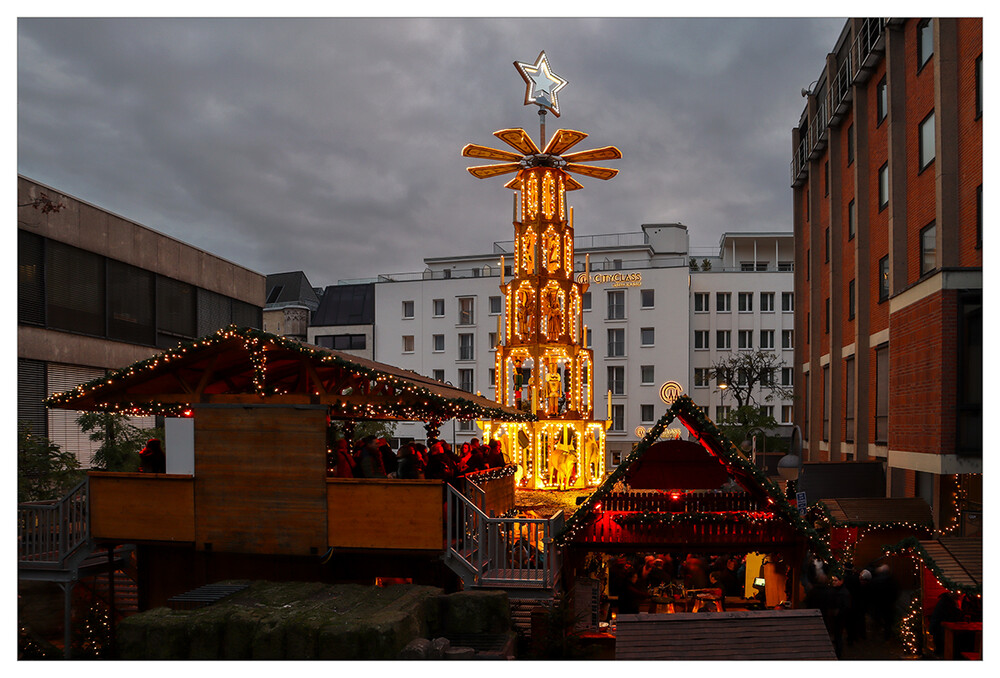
(633,279)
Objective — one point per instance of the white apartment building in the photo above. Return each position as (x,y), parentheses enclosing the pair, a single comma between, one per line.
(639,316)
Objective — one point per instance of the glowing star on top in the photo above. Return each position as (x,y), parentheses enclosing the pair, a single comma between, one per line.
(542,84)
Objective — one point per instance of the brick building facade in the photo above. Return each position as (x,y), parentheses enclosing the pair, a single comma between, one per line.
(887,183)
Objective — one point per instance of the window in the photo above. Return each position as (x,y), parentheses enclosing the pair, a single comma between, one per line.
(495,305)
(723,302)
(787,376)
(646,374)
(646,298)
(616,304)
(979,86)
(808,263)
(466,349)
(850,300)
(722,341)
(274,294)
(788,339)
(438,375)
(927,150)
(131,299)
(826,245)
(826,402)
(826,316)
(585,301)
(466,311)
(646,413)
(970,374)
(826,178)
(701,302)
(928,248)
(617,418)
(767,411)
(852,216)
(883,187)
(341,342)
(466,380)
(786,266)
(493,377)
(751,266)
(767,302)
(882,101)
(882,394)
(767,340)
(438,342)
(925,43)
(701,340)
(786,414)
(745,339)
(767,377)
(493,341)
(787,302)
(616,342)
(407,309)
(647,336)
(702,376)
(850,144)
(438,308)
(883,278)
(849,400)
(407,343)
(465,425)
(589,339)
(745,302)
(721,413)
(616,379)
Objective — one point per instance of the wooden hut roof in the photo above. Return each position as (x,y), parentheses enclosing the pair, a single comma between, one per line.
(248,366)
(957,562)
(724,453)
(879,511)
(724,636)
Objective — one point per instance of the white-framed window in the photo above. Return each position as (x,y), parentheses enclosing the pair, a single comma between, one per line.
(788,339)
(589,341)
(466,311)
(438,375)
(646,373)
(493,341)
(438,343)
(585,301)
(723,302)
(702,375)
(616,379)
(701,302)
(767,410)
(723,341)
(493,377)
(647,336)
(745,301)
(616,342)
(646,298)
(466,347)
(617,418)
(407,343)
(721,413)
(767,340)
(616,304)
(466,380)
(787,412)
(787,302)
(408,309)
(465,425)
(647,413)
(767,302)
(745,339)
(787,376)
(438,307)
(496,304)
(701,340)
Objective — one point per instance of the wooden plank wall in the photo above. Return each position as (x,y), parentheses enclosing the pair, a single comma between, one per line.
(260,479)
(141,506)
(386,514)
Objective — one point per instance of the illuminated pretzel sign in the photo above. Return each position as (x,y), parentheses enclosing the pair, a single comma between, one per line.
(669,392)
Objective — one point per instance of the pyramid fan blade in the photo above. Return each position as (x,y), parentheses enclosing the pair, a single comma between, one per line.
(519,139)
(487,153)
(606,153)
(591,171)
(572,184)
(515,183)
(563,140)
(487,171)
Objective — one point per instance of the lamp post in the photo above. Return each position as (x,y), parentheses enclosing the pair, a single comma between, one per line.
(454,445)
(750,443)
(722,387)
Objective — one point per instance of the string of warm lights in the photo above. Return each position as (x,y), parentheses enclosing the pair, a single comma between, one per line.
(913,545)
(752,518)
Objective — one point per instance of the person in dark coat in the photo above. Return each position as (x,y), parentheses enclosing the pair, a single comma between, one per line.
(343,463)
(946,609)
(837,612)
(370,462)
(389,461)
(440,465)
(632,595)
(494,455)
(151,457)
(410,466)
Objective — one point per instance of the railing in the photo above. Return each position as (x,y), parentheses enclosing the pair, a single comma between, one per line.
(501,551)
(48,532)
(606,528)
(682,503)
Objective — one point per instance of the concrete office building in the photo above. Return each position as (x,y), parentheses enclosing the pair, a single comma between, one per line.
(97,292)
(887,184)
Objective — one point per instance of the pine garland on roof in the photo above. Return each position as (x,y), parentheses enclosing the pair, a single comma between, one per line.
(913,544)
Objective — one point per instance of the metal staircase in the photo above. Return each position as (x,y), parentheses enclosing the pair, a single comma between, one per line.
(512,553)
(54,545)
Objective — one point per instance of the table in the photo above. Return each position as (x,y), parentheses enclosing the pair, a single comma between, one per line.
(951,628)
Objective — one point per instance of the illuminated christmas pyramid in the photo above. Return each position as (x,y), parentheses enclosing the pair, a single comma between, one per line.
(541,363)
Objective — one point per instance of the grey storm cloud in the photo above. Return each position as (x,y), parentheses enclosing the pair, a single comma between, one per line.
(332,146)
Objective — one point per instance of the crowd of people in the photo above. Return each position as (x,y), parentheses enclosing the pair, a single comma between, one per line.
(374,458)
(633,580)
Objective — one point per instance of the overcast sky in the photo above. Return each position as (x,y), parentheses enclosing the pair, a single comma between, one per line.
(333,146)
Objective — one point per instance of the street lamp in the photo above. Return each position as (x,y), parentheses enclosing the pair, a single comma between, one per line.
(454,445)
(750,443)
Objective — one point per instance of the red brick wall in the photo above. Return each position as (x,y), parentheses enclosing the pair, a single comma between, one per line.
(970,139)
(878,149)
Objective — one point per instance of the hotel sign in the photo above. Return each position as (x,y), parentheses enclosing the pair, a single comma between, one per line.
(633,279)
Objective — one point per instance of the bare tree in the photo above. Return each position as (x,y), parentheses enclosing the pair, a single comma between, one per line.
(750,377)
